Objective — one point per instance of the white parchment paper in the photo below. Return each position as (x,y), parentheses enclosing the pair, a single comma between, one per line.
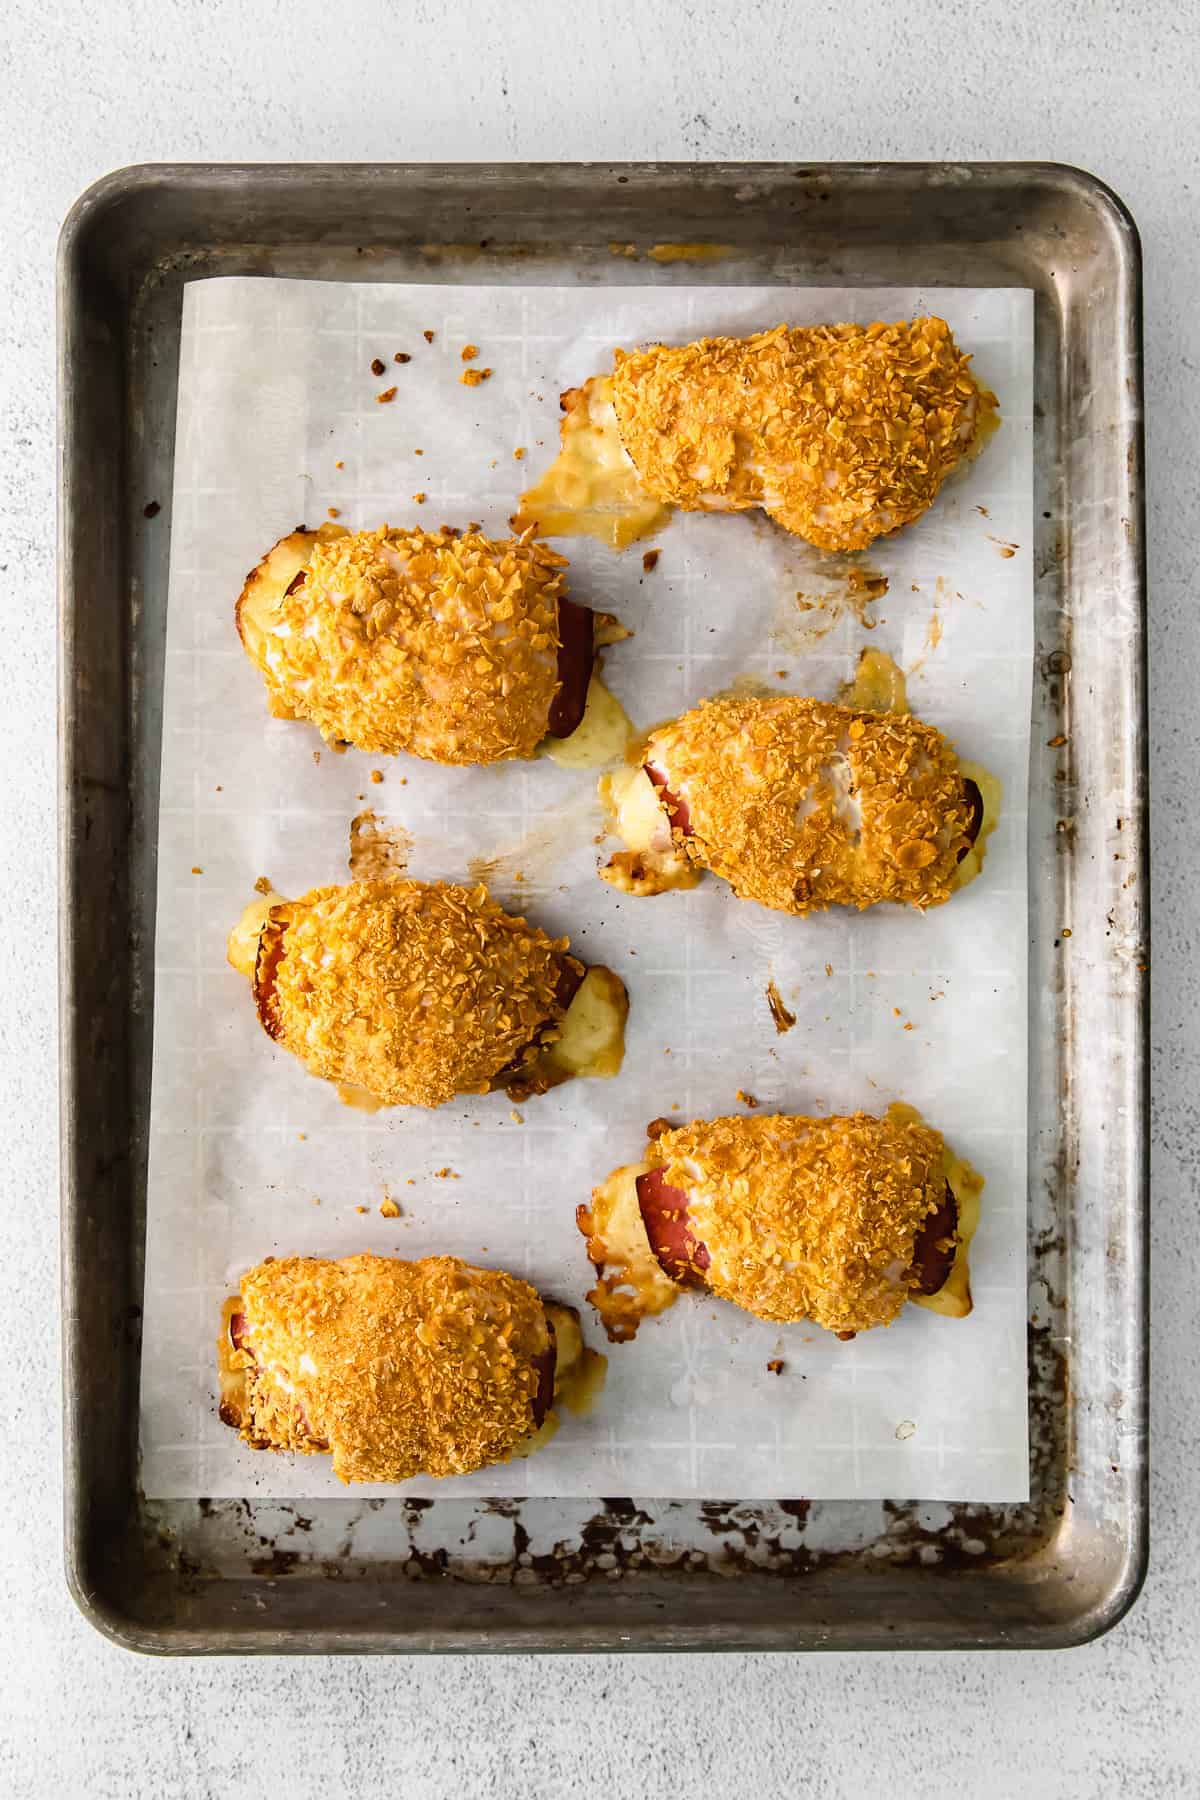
(278,421)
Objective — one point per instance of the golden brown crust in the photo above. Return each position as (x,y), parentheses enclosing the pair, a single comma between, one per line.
(842,433)
(397,1368)
(414,991)
(808,1218)
(437,643)
(802,805)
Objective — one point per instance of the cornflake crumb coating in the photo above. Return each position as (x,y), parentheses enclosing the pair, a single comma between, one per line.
(807,1218)
(801,804)
(842,433)
(414,991)
(435,643)
(398,1368)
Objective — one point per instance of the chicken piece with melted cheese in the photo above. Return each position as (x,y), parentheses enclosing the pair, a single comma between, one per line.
(406,993)
(799,804)
(841,433)
(449,645)
(395,1368)
(837,1220)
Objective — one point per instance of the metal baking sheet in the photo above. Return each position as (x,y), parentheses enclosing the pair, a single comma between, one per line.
(730,1572)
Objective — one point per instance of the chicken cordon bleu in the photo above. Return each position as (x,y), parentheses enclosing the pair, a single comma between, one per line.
(449,645)
(840,433)
(839,1220)
(799,804)
(396,1368)
(406,993)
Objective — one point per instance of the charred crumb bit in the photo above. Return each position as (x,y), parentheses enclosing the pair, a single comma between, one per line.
(473,377)
(335,512)
(519,453)
(983,511)
(650,560)
(750,1100)
(418,453)
(784,1018)
(428,336)
(316,756)
(402,356)
(420,497)
(469,352)
(220,789)
(377,365)
(781,674)
(776,1366)
(151,509)
(388,1208)
(387,396)
(196,869)
(1056,743)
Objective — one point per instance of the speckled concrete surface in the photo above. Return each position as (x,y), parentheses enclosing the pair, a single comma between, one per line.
(86,88)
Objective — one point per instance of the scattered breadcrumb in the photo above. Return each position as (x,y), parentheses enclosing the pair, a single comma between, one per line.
(387,396)
(316,756)
(1055,743)
(908,1025)
(776,1365)
(196,869)
(389,1208)
(650,559)
(263,885)
(446,1174)
(519,453)
(829,968)
(418,453)
(749,1100)
(335,512)
(377,365)
(402,356)
(469,352)
(220,789)
(473,377)
(339,465)
(905,1429)
(377,776)
(303,1136)
(516,1117)
(420,497)
(428,336)
(1066,931)
(360,1209)
(896,1012)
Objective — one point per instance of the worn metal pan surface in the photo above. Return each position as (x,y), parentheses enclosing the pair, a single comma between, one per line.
(543,1574)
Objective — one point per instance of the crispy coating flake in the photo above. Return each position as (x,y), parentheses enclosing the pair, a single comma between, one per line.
(437,643)
(413,991)
(808,1218)
(802,805)
(398,1368)
(842,433)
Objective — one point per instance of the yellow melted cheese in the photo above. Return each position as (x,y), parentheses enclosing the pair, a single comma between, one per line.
(631,1284)
(878,685)
(601,736)
(992,793)
(591,489)
(649,864)
(953,1298)
(241,946)
(592,1040)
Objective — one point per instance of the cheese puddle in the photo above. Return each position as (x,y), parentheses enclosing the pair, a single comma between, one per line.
(591,489)
(601,736)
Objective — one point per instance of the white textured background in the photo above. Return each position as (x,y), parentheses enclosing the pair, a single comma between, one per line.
(90,87)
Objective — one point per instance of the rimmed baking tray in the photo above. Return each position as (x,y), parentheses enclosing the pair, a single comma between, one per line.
(624,1573)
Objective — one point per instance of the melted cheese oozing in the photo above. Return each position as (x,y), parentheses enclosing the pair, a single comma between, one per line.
(953,1298)
(992,793)
(592,1033)
(579,1375)
(878,685)
(631,1284)
(649,864)
(241,946)
(591,489)
(231,1380)
(601,736)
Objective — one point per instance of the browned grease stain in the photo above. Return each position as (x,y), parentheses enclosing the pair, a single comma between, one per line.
(378,851)
(784,1020)
(673,253)
(811,614)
